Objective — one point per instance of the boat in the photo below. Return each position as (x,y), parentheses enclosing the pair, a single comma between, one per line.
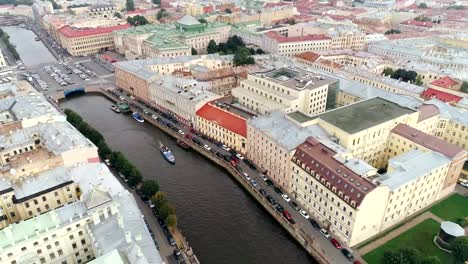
(166,152)
(138,117)
(183,145)
(123,107)
(115,108)
(37,39)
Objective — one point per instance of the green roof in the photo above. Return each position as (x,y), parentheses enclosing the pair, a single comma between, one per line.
(300,117)
(164,43)
(16,233)
(364,114)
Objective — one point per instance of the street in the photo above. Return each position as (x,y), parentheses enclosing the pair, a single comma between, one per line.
(301,222)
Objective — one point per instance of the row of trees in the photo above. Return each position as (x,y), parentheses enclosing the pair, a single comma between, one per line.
(464,87)
(234,45)
(16,2)
(392,31)
(6,39)
(118,161)
(137,20)
(404,75)
(130,5)
(459,248)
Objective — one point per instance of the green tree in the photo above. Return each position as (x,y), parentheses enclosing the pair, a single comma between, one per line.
(291,21)
(202,20)
(149,188)
(194,51)
(422,5)
(103,149)
(460,248)
(260,51)
(117,160)
(165,210)
(242,57)
(401,256)
(388,72)
(171,221)
(159,199)
(212,47)
(117,15)
(464,87)
(130,5)
(157,2)
(392,31)
(418,80)
(137,20)
(161,13)
(430,260)
(228,10)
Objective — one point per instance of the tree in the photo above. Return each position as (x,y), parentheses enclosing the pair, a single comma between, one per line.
(202,20)
(159,199)
(157,2)
(430,260)
(194,51)
(460,248)
(130,5)
(422,5)
(392,31)
(103,149)
(171,220)
(401,256)
(418,80)
(212,47)
(161,13)
(291,21)
(260,51)
(117,160)
(165,210)
(117,15)
(149,188)
(137,20)
(243,57)
(464,87)
(228,10)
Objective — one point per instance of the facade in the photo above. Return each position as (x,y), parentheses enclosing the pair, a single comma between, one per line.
(289,46)
(3,62)
(224,123)
(284,89)
(169,39)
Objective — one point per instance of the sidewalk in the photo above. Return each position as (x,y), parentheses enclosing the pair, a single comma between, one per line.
(413,222)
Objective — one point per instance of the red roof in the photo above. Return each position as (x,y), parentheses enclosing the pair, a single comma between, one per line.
(141,11)
(71,32)
(443,96)
(445,82)
(427,111)
(416,23)
(308,56)
(428,141)
(224,119)
(281,39)
(7,6)
(320,159)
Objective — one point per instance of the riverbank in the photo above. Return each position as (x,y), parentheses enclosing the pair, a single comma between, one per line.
(304,239)
(11,49)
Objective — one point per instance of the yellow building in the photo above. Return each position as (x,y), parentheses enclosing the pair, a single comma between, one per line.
(220,122)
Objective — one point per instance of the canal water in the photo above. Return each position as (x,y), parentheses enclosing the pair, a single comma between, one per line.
(221,221)
(31,52)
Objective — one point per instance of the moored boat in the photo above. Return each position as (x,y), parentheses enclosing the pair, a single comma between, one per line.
(183,145)
(124,108)
(115,108)
(138,117)
(167,154)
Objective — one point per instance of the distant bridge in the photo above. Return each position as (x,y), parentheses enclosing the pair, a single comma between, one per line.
(62,95)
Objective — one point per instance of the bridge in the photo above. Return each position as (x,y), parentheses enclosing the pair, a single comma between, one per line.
(8,20)
(62,95)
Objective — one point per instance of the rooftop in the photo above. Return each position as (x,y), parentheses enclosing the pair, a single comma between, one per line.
(321,159)
(364,114)
(430,93)
(445,82)
(411,166)
(280,39)
(452,113)
(223,118)
(295,78)
(428,141)
(27,107)
(73,32)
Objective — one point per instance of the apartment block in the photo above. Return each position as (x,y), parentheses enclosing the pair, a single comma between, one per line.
(286,89)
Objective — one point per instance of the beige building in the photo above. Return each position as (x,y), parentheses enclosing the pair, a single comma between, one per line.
(223,122)
(286,89)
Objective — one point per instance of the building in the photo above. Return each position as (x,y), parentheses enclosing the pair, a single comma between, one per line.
(287,89)
(289,46)
(3,62)
(169,39)
(225,123)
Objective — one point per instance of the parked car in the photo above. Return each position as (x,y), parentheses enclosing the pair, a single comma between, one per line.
(226,148)
(269,183)
(304,214)
(277,190)
(287,215)
(347,254)
(314,224)
(335,243)
(253,182)
(177,253)
(279,208)
(286,197)
(246,176)
(264,178)
(324,233)
(250,164)
(271,200)
(171,240)
(263,192)
(294,205)
(240,156)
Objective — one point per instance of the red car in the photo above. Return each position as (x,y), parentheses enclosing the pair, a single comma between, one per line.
(335,243)
(357,262)
(287,215)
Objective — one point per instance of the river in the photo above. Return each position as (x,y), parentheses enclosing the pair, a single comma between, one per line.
(221,221)
(31,52)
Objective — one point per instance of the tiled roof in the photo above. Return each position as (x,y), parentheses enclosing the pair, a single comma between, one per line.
(443,96)
(71,32)
(427,111)
(224,119)
(428,141)
(445,82)
(308,56)
(416,23)
(320,159)
(281,39)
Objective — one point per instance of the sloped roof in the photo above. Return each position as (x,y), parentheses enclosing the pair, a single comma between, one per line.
(223,118)
(308,56)
(72,32)
(443,96)
(188,20)
(445,82)
(96,197)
